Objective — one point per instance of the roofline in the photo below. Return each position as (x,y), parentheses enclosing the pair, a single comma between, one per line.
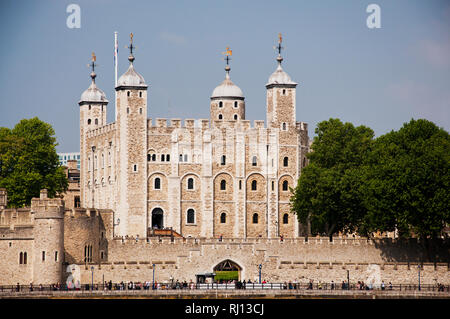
(283,85)
(131,87)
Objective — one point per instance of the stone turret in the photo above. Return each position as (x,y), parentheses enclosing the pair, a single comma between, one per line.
(48,251)
(131,128)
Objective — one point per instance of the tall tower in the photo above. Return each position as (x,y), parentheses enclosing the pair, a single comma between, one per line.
(131,126)
(92,115)
(281,91)
(227,99)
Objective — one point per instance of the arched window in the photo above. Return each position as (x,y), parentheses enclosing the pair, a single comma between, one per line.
(128,93)
(254,185)
(25,258)
(220,104)
(181,158)
(255,218)
(285,186)
(190,216)
(223,185)
(157,183)
(235,104)
(286,161)
(223,160)
(190,183)
(21,258)
(163,157)
(153,157)
(220,116)
(254,161)
(223,218)
(140,94)
(168,157)
(235,117)
(89,121)
(96,121)
(284,126)
(286,218)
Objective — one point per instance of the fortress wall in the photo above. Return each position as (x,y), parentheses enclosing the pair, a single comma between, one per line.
(289,260)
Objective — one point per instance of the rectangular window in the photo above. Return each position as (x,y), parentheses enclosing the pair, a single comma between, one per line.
(56,256)
(43,256)
(135,168)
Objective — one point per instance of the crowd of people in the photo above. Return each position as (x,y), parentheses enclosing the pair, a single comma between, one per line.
(237,284)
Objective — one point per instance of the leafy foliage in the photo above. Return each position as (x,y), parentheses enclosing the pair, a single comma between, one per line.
(29,162)
(399,181)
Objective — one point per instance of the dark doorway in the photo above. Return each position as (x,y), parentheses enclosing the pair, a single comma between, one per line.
(157,218)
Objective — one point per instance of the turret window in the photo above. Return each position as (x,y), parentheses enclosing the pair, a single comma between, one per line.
(254,161)
(190,216)
(284,126)
(223,160)
(235,104)
(140,94)
(220,104)
(254,185)
(89,121)
(286,161)
(223,218)
(285,186)
(235,117)
(220,116)
(128,93)
(190,183)
(223,185)
(157,184)
(255,218)
(286,219)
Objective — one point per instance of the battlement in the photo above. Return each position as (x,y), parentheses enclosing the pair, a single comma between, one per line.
(302,126)
(102,130)
(205,124)
(304,241)
(44,207)
(3,198)
(85,212)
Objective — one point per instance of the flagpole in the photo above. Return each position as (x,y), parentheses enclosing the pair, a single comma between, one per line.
(116,57)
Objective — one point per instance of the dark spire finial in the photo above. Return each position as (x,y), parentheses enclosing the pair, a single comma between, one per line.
(131,47)
(92,65)
(279,48)
(227,58)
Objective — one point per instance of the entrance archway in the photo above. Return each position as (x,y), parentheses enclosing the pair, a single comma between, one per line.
(157,218)
(227,270)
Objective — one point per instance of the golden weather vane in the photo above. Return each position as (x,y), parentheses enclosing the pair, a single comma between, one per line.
(227,53)
(94,58)
(280,39)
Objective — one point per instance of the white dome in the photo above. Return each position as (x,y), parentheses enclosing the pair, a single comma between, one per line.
(131,78)
(227,89)
(93,94)
(280,77)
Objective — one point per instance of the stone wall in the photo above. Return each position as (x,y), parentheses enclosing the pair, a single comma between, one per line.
(289,260)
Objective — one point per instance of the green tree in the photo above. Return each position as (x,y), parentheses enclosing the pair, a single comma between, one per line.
(328,191)
(29,162)
(407,181)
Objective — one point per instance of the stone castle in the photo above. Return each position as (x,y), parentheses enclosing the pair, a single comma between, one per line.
(207,178)
(182,200)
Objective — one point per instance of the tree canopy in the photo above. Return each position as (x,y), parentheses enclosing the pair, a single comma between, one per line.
(29,162)
(398,181)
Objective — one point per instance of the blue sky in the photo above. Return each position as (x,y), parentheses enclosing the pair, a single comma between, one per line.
(376,77)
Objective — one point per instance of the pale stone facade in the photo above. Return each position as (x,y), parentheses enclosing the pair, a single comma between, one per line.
(233,178)
(48,243)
